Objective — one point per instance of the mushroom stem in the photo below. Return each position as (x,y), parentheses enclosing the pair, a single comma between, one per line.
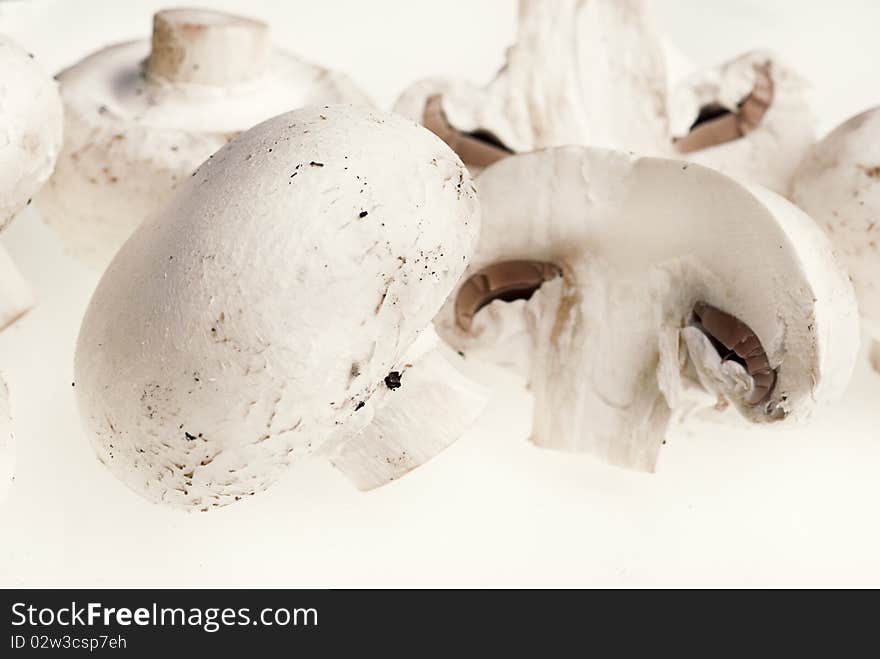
(591,362)
(197,46)
(16,298)
(476,149)
(398,439)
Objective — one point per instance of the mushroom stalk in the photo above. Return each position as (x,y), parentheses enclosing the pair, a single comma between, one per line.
(398,438)
(580,72)
(16,297)
(192,46)
(140,116)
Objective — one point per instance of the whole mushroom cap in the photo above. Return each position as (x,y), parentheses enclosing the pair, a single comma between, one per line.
(141,116)
(271,307)
(628,280)
(838,185)
(30,128)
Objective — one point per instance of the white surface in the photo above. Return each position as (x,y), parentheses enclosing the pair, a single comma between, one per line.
(726,507)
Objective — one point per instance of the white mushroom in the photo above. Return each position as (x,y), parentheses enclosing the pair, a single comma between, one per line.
(838,185)
(581,72)
(141,116)
(637,278)
(30,138)
(748,118)
(272,311)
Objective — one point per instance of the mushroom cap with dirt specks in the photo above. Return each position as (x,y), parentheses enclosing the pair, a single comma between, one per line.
(838,185)
(30,139)
(259,314)
(645,247)
(132,136)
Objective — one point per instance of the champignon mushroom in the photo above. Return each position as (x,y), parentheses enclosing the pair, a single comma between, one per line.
(580,72)
(141,116)
(838,185)
(272,309)
(748,118)
(30,126)
(638,278)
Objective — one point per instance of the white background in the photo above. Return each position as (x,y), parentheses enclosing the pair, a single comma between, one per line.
(727,507)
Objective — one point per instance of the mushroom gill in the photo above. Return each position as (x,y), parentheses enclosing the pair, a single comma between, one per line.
(716,125)
(736,341)
(479,148)
(504,280)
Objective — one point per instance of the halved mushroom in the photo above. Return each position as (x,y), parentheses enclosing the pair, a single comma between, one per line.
(271,311)
(580,72)
(748,118)
(838,185)
(141,116)
(670,274)
(30,125)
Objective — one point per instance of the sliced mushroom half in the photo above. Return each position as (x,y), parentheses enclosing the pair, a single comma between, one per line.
(670,277)
(580,72)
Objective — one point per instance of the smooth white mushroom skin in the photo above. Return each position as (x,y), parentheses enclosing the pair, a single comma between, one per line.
(141,116)
(838,185)
(261,315)
(30,139)
(644,246)
(580,72)
(767,128)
